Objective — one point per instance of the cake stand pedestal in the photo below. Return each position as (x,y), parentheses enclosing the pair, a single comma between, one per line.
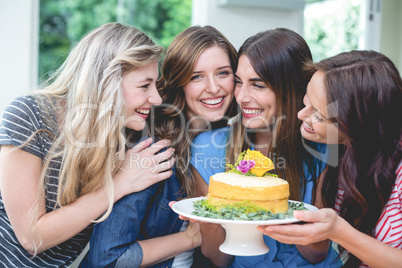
(243,240)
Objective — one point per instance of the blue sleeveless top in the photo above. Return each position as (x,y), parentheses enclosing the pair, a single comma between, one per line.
(208,152)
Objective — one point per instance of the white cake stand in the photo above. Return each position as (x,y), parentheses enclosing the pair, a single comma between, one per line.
(242,236)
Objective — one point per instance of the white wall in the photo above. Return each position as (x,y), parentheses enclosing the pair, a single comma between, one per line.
(391,31)
(238,22)
(18,48)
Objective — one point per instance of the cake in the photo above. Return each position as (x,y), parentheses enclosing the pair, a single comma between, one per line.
(249,182)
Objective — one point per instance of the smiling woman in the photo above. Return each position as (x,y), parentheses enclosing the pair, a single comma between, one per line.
(362,193)
(315,115)
(209,92)
(140,93)
(76,164)
(256,99)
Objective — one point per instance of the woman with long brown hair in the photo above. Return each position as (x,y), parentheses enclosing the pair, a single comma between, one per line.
(353,102)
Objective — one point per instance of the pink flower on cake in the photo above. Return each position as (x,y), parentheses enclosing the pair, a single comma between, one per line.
(245,165)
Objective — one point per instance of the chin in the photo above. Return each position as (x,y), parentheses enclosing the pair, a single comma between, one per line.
(136,126)
(214,117)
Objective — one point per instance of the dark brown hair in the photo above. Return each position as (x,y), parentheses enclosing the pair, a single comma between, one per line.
(367,88)
(277,56)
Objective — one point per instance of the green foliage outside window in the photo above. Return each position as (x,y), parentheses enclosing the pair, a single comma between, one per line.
(329,32)
(64,22)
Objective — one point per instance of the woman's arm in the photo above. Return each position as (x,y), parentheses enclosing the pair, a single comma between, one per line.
(326,224)
(19,191)
(159,249)
(318,251)
(138,232)
(213,235)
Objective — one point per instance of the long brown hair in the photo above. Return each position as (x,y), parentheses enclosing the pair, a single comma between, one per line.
(367,88)
(177,69)
(277,56)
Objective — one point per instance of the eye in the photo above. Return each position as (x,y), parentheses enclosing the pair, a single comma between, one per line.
(317,116)
(145,86)
(257,85)
(195,77)
(224,73)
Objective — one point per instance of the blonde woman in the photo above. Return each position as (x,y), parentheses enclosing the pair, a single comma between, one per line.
(64,159)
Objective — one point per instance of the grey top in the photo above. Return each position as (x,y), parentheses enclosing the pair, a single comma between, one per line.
(21,119)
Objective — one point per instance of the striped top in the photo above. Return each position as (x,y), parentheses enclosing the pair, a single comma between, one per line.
(20,119)
(389,227)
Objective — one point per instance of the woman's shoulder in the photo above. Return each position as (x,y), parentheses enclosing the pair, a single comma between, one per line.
(25,104)
(22,113)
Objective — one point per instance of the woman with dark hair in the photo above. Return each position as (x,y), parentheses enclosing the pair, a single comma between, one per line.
(197,87)
(270,87)
(353,101)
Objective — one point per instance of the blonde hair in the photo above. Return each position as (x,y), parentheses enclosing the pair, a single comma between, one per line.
(86,90)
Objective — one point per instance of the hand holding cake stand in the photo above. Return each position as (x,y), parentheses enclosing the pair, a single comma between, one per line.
(242,236)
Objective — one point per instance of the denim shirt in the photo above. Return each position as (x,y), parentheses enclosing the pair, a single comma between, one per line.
(138,216)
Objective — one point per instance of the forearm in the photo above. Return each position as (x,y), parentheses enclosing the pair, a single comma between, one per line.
(368,249)
(162,248)
(213,235)
(315,252)
(60,225)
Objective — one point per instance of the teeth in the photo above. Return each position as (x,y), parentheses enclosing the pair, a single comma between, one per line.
(212,101)
(308,126)
(252,111)
(142,111)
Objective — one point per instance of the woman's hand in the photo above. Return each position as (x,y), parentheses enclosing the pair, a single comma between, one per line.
(194,234)
(143,167)
(318,226)
(311,236)
(181,217)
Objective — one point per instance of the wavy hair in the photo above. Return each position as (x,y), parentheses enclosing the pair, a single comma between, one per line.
(368,90)
(170,119)
(85,94)
(277,56)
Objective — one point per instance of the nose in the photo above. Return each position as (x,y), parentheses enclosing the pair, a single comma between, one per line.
(213,86)
(304,114)
(154,97)
(242,94)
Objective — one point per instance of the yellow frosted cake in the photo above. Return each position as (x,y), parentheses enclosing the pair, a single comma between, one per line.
(249,181)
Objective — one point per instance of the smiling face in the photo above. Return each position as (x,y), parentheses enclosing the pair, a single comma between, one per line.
(140,94)
(256,99)
(210,91)
(316,126)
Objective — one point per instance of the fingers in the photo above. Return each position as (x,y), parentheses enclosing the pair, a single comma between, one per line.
(171,203)
(321,215)
(141,146)
(288,239)
(161,176)
(146,147)
(164,166)
(164,155)
(156,147)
